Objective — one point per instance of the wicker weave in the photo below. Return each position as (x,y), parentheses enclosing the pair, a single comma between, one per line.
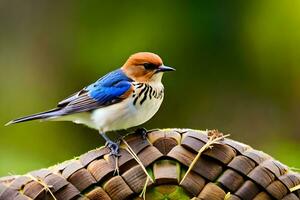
(228,170)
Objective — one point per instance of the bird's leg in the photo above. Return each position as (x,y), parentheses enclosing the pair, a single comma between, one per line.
(113,146)
(114,150)
(143,132)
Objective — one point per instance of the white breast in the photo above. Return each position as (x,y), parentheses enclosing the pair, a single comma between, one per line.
(133,111)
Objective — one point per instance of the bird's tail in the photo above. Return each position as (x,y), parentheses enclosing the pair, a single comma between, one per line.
(43,115)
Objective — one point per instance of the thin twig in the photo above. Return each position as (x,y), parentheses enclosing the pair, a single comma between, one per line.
(133,154)
(227,196)
(46,187)
(297,187)
(209,144)
(143,193)
(117,171)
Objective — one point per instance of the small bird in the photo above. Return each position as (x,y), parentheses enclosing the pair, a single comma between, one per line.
(124,98)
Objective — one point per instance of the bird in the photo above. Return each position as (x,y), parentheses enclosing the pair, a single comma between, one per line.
(126,97)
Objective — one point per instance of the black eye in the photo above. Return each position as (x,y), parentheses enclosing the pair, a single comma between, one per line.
(150,66)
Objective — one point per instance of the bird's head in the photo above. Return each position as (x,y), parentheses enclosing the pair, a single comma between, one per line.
(145,67)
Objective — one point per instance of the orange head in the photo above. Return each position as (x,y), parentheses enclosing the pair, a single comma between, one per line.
(145,67)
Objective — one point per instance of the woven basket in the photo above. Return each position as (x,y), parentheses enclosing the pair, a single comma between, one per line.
(227,170)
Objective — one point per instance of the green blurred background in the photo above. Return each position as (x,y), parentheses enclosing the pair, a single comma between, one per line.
(238,70)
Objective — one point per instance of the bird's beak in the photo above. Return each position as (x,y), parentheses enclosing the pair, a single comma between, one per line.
(164,68)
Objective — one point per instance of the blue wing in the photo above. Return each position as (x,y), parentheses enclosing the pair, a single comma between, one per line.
(110,89)
(107,90)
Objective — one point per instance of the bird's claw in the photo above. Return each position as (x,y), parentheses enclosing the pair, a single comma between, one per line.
(115,153)
(114,148)
(143,132)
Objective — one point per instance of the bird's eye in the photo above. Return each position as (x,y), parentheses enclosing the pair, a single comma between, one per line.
(149,66)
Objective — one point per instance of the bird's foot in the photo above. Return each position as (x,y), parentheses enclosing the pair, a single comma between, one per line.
(114,148)
(143,132)
(115,153)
